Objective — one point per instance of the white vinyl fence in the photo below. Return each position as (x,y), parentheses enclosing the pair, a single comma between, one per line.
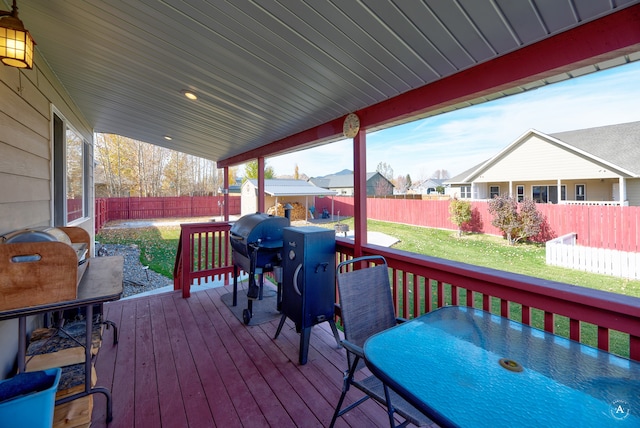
(564,252)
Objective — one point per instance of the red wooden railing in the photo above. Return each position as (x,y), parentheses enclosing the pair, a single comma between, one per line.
(204,254)
(422,284)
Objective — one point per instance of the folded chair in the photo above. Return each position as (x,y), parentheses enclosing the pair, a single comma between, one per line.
(366,308)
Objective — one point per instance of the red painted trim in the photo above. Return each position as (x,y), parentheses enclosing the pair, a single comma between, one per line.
(605,38)
(549,322)
(405,295)
(261,197)
(225,171)
(321,133)
(504,308)
(394,288)
(454,293)
(360,190)
(603,338)
(634,347)
(187,263)
(526,315)
(486,304)
(574,330)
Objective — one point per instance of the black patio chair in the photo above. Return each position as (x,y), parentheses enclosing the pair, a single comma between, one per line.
(366,308)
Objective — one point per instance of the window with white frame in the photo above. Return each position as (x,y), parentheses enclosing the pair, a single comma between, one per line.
(465,192)
(494,191)
(548,194)
(71,159)
(580,192)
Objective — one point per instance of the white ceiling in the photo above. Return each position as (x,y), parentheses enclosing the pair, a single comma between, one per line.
(267,69)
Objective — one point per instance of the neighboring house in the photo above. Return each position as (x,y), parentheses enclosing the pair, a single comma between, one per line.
(428,186)
(342,183)
(587,166)
(235,189)
(280,191)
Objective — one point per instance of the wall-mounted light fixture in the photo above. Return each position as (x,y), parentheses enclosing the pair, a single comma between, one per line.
(16,44)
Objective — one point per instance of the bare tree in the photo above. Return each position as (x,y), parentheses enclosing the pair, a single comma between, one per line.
(382,187)
(385,170)
(401,184)
(117,158)
(440,174)
(129,167)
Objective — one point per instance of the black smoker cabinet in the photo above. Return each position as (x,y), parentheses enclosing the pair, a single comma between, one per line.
(308,281)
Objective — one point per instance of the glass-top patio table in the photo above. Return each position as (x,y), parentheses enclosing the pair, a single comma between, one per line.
(469,368)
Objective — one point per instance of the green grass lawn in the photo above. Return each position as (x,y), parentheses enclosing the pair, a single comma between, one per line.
(158,247)
(494,252)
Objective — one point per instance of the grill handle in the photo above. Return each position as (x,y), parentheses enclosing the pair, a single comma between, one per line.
(295,279)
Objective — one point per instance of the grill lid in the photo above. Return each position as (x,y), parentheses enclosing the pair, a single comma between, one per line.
(259,229)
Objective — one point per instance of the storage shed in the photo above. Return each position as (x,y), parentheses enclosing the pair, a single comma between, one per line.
(282,191)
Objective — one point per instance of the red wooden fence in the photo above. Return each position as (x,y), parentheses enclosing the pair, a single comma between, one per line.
(613,227)
(141,208)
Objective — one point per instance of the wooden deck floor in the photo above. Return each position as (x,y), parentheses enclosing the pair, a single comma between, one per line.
(192,363)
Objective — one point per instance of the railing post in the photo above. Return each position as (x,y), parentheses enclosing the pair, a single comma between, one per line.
(187,262)
(178,267)
(210,264)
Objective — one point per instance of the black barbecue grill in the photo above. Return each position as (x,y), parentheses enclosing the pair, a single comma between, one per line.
(256,244)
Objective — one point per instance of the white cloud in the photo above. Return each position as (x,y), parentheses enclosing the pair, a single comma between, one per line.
(461,139)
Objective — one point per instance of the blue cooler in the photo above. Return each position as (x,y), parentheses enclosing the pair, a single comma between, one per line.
(27,399)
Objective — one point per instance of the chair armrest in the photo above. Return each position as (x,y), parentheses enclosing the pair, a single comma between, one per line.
(352,347)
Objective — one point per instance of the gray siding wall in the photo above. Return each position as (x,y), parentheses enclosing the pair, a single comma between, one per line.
(26,97)
(633,191)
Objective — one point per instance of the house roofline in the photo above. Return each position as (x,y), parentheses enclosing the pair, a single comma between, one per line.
(469,178)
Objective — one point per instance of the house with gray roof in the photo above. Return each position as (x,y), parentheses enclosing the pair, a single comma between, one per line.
(342,184)
(586,166)
(280,191)
(428,186)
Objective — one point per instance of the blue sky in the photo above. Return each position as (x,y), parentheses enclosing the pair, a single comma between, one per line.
(458,140)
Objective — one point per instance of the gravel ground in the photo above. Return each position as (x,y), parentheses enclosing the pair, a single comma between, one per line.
(137,278)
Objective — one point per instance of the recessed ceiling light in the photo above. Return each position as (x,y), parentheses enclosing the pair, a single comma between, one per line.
(190,95)
(168,137)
